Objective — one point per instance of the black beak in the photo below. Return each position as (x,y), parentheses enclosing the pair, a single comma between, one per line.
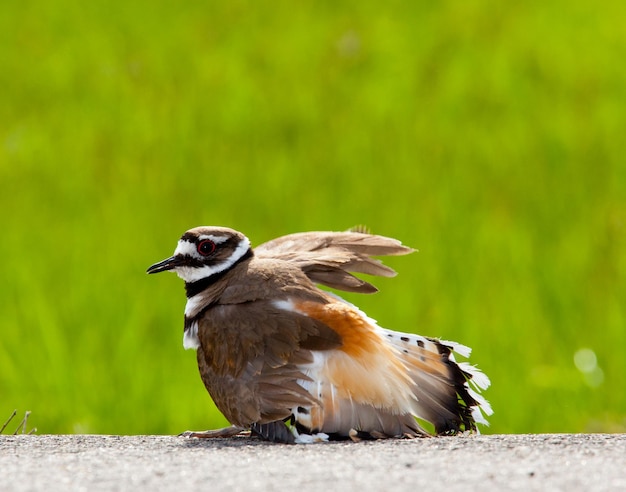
(168,264)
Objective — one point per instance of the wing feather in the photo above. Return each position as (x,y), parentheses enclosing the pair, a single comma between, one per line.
(329,258)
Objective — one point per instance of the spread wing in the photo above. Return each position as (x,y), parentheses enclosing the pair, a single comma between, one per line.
(329,258)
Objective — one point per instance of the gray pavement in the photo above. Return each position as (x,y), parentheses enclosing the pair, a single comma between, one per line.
(546,462)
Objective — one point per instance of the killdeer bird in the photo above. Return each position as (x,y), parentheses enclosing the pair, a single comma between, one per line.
(294,363)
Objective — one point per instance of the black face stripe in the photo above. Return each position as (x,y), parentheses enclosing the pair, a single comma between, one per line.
(190,261)
(194,288)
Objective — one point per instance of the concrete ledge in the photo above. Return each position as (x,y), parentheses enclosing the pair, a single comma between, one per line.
(570,462)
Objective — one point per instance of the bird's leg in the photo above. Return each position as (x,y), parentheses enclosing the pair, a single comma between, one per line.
(231,431)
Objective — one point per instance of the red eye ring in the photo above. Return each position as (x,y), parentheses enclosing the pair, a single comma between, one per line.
(206,247)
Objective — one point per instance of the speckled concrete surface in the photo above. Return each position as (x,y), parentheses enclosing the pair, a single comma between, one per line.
(568,462)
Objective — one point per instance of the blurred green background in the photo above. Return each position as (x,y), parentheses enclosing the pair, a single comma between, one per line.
(489,135)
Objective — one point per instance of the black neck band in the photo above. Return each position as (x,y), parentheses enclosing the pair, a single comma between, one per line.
(193,288)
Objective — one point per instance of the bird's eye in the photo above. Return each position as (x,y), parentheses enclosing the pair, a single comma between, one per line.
(206,247)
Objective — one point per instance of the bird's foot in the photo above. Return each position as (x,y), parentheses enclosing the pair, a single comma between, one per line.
(218,433)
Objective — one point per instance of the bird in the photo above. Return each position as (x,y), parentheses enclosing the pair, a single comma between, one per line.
(289,361)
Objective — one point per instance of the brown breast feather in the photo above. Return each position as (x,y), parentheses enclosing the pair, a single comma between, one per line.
(250,349)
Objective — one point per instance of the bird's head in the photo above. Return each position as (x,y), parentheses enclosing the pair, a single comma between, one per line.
(205,251)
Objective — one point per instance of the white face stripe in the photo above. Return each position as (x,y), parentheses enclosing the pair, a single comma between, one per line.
(193,274)
(185,248)
(215,239)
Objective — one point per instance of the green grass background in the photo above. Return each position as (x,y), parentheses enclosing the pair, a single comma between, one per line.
(489,135)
